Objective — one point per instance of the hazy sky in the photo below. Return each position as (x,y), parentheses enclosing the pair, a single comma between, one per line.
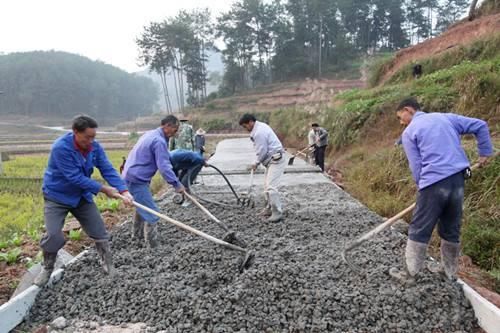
(98,29)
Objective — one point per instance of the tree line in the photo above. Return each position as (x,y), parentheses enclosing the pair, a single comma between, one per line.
(58,84)
(270,41)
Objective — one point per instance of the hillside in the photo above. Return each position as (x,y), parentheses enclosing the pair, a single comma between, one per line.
(48,85)
(457,36)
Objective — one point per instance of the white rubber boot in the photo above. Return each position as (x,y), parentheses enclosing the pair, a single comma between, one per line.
(415,259)
(450,253)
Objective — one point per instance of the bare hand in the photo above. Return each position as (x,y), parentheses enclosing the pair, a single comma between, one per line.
(483,160)
(110,192)
(252,167)
(181,189)
(127,198)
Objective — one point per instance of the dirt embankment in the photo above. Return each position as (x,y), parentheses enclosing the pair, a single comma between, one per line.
(461,34)
(307,93)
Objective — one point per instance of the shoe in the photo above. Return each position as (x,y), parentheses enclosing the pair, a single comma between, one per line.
(276,210)
(415,258)
(402,276)
(266,211)
(151,234)
(449,258)
(105,258)
(416,253)
(49,261)
(138,227)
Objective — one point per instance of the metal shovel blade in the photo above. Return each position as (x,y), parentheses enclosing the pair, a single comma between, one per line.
(247,261)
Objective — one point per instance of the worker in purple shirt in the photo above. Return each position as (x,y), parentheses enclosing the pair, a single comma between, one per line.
(149,155)
(439,166)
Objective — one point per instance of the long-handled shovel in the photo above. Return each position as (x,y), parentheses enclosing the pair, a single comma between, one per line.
(372,233)
(230,236)
(247,260)
(290,161)
(381,227)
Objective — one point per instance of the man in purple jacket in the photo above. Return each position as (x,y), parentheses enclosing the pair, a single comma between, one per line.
(439,165)
(149,155)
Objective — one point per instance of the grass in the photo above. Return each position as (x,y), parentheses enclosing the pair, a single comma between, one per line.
(21,200)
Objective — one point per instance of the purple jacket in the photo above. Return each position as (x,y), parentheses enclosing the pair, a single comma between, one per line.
(149,155)
(432,145)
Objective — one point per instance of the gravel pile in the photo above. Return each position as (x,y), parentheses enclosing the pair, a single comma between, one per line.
(298,282)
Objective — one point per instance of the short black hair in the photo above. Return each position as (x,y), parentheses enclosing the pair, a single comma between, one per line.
(170,120)
(411,102)
(314,125)
(82,122)
(246,118)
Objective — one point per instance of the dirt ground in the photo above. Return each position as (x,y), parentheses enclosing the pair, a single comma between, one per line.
(459,35)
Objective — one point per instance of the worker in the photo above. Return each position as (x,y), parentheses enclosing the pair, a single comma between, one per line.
(185,136)
(311,139)
(186,164)
(271,155)
(199,141)
(439,165)
(149,155)
(68,188)
(320,143)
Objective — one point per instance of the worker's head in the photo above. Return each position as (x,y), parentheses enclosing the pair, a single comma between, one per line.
(314,126)
(170,125)
(84,130)
(247,121)
(406,109)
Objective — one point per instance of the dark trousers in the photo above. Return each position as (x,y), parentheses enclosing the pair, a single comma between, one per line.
(187,176)
(319,157)
(441,204)
(55,213)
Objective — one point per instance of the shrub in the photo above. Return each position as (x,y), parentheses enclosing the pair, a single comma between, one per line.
(75,235)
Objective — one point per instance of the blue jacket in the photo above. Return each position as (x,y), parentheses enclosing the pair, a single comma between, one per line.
(67,177)
(432,145)
(182,159)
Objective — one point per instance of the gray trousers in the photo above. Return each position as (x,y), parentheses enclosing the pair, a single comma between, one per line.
(55,213)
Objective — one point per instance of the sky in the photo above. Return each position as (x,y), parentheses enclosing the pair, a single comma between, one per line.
(102,30)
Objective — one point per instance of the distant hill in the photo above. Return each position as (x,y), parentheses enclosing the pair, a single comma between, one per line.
(58,85)
(214,65)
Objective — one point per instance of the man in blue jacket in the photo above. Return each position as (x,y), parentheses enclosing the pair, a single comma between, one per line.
(439,165)
(149,155)
(68,187)
(186,164)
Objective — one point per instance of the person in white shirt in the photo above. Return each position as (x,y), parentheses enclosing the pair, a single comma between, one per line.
(271,155)
(311,140)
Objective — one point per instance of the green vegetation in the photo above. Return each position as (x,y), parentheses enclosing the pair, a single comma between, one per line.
(21,200)
(75,235)
(11,256)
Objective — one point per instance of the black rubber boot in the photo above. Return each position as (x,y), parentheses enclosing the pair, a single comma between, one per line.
(138,227)
(151,234)
(105,257)
(49,261)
